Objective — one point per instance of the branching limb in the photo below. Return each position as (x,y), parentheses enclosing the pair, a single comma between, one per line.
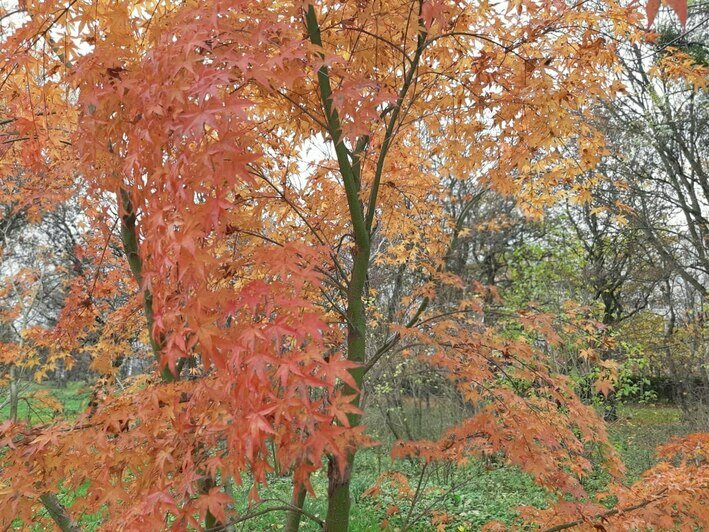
(59,513)
(283,507)
(129,237)
(609,513)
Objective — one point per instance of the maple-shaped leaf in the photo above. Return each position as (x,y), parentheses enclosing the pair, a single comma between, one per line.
(678,6)
(215,501)
(603,386)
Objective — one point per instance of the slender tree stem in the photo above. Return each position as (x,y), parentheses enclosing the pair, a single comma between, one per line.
(339,471)
(58,513)
(294,514)
(332,118)
(391,125)
(14,396)
(129,237)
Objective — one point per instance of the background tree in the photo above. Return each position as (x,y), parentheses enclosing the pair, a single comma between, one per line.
(658,130)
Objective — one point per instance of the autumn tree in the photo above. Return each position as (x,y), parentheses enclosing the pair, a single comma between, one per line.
(658,132)
(260,160)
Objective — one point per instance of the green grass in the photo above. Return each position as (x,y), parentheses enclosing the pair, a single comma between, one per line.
(484,492)
(74,397)
(640,429)
(34,409)
(472,495)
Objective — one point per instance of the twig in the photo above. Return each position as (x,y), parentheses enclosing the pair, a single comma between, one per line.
(285,507)
(609,513)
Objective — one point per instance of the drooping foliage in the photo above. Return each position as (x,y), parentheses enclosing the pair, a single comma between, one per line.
(254,161)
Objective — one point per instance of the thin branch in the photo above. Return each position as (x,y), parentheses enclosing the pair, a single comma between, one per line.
(59,513)
(609,513)
(303,109)
(335,130)
(384,40)
(414,500)
(284,507)
(391,125)
(679,37)
(129,238)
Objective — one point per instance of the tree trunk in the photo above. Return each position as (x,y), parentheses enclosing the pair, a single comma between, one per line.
(339,474)
(14,396)
(58,513)
(293,516)
(361,218)
(338,495)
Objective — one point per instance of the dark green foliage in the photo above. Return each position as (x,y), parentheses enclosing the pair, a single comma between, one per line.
(672,36)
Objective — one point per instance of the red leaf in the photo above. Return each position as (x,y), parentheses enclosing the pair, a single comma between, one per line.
(680,9)
(215,501)
(651,9)
(678,6)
